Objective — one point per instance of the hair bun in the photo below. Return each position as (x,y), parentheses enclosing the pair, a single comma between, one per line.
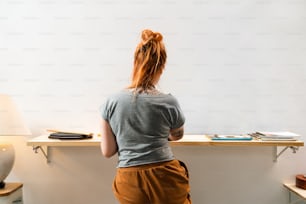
(147,35)
(158,37)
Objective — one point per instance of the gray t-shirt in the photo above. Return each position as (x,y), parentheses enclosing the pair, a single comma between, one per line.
(141,124)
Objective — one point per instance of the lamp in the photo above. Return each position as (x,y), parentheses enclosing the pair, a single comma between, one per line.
(11,124)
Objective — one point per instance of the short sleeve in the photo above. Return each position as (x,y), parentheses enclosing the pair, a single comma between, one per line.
(176,115)
(106,110)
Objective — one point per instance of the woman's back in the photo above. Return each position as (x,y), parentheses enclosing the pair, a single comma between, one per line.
(141,125)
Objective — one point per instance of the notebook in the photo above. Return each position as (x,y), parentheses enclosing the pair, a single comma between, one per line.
(69,136)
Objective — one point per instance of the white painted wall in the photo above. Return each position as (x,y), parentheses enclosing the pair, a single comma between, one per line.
(236,66)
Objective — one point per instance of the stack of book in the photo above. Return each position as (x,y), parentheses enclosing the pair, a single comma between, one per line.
(270,136)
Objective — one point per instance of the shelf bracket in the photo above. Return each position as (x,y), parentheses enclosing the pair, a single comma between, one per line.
(45,152)
(276,155)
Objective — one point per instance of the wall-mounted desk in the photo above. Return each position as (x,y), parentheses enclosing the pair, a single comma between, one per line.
(301,193)
(12,193)
(188,140)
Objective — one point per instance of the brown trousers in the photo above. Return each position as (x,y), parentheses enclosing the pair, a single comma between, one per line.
(160,183)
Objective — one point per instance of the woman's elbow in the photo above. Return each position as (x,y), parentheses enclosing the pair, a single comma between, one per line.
(108,153)
(175,138)
(176,134)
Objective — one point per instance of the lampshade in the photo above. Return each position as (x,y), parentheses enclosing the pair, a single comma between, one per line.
(11,124)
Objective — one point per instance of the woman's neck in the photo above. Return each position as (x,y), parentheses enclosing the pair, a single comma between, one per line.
(149,90)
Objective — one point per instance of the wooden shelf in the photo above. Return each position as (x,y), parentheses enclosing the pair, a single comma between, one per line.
(203,140)
(188,140)
(45,141)
(10,188)
(301,193)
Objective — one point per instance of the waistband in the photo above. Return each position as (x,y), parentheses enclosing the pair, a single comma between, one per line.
(147,166)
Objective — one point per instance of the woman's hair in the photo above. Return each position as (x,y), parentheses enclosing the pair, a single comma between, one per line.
(149,60)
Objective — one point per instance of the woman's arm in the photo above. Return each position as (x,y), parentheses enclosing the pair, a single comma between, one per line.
(176,134)
(108,141)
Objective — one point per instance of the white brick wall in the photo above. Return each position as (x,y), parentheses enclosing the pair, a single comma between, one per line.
(235,65)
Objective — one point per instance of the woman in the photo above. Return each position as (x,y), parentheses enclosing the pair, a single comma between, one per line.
(137,124)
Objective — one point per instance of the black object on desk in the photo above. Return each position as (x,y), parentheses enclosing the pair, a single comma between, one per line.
(69,136)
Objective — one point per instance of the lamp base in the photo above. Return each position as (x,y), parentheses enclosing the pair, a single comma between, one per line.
(2,184)
(7,156)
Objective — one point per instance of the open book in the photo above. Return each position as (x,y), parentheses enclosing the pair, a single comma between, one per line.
(231,137)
